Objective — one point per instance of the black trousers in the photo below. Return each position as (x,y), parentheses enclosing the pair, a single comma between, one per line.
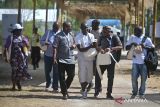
(35,55)
(70,70)
(110,74)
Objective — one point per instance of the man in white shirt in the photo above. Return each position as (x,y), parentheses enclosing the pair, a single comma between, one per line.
(138,65)
(84,42)
(96,32)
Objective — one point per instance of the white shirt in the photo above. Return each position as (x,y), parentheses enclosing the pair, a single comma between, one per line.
(139,58)
(84,41)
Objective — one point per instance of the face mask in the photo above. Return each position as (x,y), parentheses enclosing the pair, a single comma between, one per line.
(138,34)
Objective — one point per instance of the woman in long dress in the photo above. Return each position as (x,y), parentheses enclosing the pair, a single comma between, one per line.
(16,45)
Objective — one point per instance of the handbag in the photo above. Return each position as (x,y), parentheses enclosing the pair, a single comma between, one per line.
(130,53)
(102,59)
(44,47)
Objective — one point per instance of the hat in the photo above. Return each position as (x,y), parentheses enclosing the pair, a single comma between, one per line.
(84,25)
(16,26)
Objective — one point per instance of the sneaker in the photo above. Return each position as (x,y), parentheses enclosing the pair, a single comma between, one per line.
(65,97)
(110,97)
(133,96)
(90,86)
(29,78)
(55,91)
(142,97)
(96,94)
(47,89)
(84,94)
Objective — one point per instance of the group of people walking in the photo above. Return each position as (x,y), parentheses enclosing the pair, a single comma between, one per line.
(59,57)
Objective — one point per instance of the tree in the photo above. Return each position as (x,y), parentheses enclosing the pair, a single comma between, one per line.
(158,10)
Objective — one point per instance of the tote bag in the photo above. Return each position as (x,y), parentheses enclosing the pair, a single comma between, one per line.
(102,59)
(130,53)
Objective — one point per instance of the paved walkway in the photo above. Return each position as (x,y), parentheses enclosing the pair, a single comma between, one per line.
(33,94)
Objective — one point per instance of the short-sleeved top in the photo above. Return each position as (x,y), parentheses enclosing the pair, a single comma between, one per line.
(35,40)
(51,36)
(10,37)
(84,41)
(63,43)
(109,42)
(139,58)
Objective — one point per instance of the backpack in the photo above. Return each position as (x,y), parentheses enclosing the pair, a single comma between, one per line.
(151,60)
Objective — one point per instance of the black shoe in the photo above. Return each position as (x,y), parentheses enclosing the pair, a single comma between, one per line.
(90,86)
(37,65)
(65,96)
(109,96)
(34,67)
(19,87)
(133,96)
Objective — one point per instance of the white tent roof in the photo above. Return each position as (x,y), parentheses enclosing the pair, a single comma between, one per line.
(27,14)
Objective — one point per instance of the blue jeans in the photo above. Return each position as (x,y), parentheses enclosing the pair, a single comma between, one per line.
(139,70)
(49,66)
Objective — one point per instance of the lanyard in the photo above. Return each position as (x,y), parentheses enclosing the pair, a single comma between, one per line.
(68,39)
(110,42)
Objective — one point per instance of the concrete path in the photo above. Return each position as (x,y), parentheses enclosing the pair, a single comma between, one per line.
(33,94)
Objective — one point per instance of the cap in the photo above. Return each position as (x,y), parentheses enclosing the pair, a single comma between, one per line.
(107,28)
(84,25)
(16,26)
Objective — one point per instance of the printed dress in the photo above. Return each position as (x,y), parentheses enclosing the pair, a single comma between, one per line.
(18,59)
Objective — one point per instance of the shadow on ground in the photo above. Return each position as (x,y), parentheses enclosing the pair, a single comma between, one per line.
(153,97)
